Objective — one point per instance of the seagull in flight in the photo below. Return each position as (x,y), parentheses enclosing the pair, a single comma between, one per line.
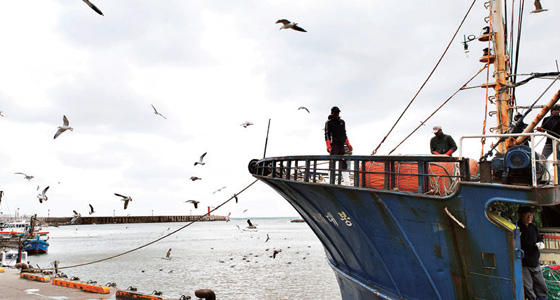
(538,7)
(246,124)
(97,10)
(63,128)
(193,202)
(200,162)
(91,211)
(276,252)
(194,178)
(289,25)
(168,255)
(2,114)
(75,217)
(303,107)
(126,199)
(219,189)
(43,196)
(156,112)
(28,177)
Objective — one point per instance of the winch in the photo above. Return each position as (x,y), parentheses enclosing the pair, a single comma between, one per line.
(515,165)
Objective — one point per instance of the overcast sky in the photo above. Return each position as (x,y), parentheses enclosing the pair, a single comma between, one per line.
(209,66)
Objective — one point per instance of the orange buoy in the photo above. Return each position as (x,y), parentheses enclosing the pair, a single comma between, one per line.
(442,176)
(375,176)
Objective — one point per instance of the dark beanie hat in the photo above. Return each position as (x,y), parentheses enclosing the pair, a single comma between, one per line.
(524,209)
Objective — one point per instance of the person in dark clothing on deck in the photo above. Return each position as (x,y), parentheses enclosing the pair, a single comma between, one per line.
(519,126)
(551,126)
(442,143)
(534,285)
(335,135)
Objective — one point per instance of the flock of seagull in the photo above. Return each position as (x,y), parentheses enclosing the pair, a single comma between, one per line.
(66,126)
(286,24)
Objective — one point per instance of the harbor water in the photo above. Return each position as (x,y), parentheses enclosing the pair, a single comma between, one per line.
(226,257)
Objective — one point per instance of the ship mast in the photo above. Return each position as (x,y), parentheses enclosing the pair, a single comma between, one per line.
(501,69)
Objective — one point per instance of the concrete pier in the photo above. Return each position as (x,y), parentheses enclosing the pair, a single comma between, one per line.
(128,219)
(14,288)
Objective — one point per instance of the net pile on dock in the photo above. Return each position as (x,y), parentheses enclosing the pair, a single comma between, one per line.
(552,277)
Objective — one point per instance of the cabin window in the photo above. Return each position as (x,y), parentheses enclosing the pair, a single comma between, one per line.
(488,260)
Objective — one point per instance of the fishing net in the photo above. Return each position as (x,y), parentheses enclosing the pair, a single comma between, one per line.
(552,278)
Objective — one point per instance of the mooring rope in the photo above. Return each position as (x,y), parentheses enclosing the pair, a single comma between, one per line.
(154,241)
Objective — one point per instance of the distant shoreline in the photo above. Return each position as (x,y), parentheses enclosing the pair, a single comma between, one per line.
(60,221)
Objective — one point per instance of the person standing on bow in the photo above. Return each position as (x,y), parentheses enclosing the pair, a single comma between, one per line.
(534,285)
(335,135)
(442,143)
(551,126)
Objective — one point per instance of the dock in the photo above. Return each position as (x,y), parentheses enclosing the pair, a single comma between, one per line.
(12,287)
(56,221)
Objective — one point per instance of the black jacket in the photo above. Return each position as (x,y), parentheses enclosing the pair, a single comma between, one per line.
(442,143)
(552,124)
(335,131)
(529,238)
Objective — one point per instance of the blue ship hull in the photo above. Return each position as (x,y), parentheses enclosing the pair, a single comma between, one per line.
(387,244)
(36,246)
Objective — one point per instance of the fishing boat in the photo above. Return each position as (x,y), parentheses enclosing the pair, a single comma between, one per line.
(428,226)
(9,257)
(14,227)
(26,232)
(37,244)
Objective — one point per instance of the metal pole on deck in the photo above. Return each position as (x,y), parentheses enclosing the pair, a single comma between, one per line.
(20,248)
(266,142)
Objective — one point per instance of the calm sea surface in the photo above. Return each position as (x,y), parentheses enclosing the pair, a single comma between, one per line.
(234,263)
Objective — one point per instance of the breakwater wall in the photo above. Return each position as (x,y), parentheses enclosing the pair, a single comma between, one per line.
(128,219)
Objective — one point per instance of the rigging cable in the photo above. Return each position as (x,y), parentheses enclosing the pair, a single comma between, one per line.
(533,76)
(156,240)
(509,43)
(445,102)
(516,56)
(426,81)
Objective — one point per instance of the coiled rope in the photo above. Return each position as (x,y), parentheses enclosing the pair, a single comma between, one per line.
(154,241)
